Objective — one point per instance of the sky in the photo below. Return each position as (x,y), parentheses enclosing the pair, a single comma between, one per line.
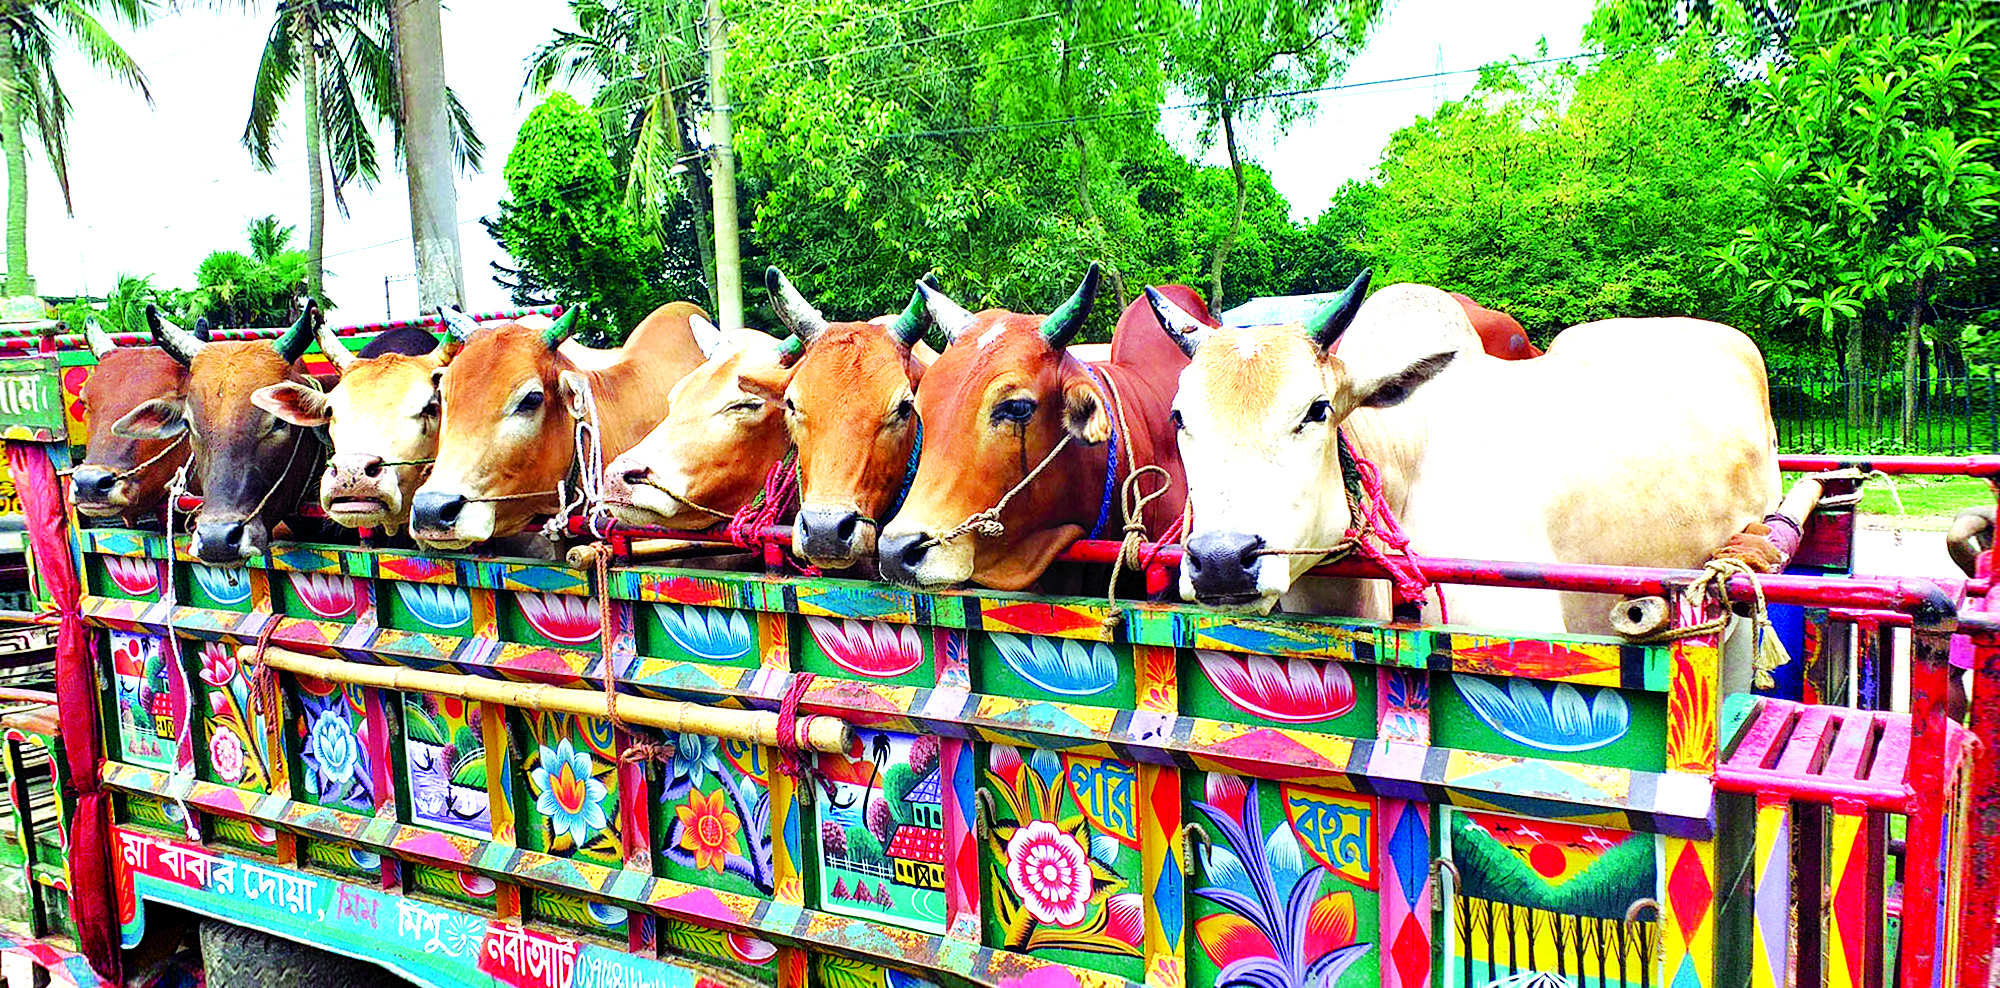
(156,189)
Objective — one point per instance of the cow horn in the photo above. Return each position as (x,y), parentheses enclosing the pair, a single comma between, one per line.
(1332,319)
(790,349)
(914,321)
(293,344)
(797,314)
(336,351)
(949,315)
(1061,325)
(457,325)
(100,341)
(565,324)
(1179,323)
(179,343)
(201,329)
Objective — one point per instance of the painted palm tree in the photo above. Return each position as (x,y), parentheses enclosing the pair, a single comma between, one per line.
(646,57)
(32,100)
(341,56)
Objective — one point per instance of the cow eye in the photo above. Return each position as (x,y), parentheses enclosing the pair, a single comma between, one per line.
(905,409)
(1014,410)
(430,409)
(1175,417)
(1317,411)
(529,402)
(746,405)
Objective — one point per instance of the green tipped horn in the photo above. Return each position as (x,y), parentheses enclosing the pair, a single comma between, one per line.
(297,339)
(1062,325)
(915,319)
(1333,318)
(564,326)
(789,350)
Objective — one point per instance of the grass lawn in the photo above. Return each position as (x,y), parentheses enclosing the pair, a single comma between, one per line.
(1923,497)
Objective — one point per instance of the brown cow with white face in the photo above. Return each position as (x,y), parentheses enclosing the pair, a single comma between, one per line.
(381,420)
(995,404)
(509,404)
(253,466)
(121,477)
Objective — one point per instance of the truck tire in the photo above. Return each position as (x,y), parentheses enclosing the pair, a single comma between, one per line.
(238,957)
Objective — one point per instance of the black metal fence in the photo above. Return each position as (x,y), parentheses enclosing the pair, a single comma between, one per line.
(1830,411)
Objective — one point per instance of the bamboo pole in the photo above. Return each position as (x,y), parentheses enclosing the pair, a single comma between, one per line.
(585,556)
(817,732)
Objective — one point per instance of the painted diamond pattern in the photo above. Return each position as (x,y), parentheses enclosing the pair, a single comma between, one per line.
(1411,954)
(1688,891)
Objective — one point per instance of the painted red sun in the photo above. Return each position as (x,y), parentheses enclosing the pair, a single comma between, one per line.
(1547,859)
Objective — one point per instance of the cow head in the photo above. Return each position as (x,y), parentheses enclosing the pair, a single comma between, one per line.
(381,420)
(120,476)
(850,407)
(1258,415)
(508,405)
(709,456)
(994,404)
(252,465)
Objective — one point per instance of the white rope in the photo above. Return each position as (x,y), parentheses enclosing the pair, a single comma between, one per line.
(588,497)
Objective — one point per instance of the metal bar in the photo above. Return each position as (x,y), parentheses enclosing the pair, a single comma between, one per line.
(1979,893)
(1942,466)
(820,733)
(1923,915)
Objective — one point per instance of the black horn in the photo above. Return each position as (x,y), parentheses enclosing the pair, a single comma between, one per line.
(915,319)
(1181,325)
(1061,325)
(297,339)
(179,343)
(1332,319)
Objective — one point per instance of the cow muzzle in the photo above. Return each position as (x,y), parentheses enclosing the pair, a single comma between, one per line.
(832,537)
(358,490)
(1223,569)
(228,542)
(449,520)
(915,559)
(97,492)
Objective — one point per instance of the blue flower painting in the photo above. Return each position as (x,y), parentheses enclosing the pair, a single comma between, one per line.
(1548,716)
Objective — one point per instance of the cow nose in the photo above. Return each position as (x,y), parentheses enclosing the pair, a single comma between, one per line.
(355,464)
(828,533)
(635,475)
(93,480)
(900,555)
(1223,565)
(436,510)
(221,542)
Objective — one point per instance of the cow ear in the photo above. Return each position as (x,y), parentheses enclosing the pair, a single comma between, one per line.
(575,390)
(1392,391)
(1084,414)
(708,337)
(294,403)
(161,418)
(767,383)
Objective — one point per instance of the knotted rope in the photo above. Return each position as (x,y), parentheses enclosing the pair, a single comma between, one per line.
(637,752)
(793,759)
(588,497)
(1369,521)
(1713,586)
(779,495)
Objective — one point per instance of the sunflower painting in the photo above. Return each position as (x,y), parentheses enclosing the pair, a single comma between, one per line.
(572,794)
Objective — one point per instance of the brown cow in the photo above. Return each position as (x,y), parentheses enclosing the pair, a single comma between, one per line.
(121,477)
(999,399)
(381,420)
(1500,334)
(253,467)
(510,401)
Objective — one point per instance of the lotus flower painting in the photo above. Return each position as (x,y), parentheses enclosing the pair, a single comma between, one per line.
(441,608)
(226,587)
(1266,913)
(238,743)
(332,730)
(1061,846)
(1287,690)
(1063,666)
(870,649)
(707,634)
(573,787)
(1551,717)
(882,843)
(716,815)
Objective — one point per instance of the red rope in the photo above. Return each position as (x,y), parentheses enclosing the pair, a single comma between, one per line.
(793,760)
(1409,579)
(778,498)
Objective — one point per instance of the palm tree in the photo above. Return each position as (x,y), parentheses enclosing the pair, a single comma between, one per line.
(647,57)
(32,101)
(341,54)
(268,238)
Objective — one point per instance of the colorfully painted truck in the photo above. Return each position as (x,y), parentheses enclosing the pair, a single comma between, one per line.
(479,771)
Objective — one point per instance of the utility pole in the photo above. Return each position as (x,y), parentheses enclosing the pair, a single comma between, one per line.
(427,147)
(728,263)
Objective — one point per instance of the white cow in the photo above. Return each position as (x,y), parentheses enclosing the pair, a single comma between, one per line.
(1638,442)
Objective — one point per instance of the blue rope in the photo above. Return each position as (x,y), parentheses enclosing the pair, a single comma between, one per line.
(1110,496)
(909,473)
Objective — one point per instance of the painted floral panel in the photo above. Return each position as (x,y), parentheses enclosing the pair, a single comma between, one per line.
(881,831)
(715,815)
(1283,890)
(736,952)
(1545,903)
(1062,852)
(462,886)
(445,759)
(147,721)
(343,859)
(236,724)
(588,915)
(876,651)
(1293,692)
(1069,670)
(571,804)
(1591,725)
(833,971)
(698,633)
(332,734)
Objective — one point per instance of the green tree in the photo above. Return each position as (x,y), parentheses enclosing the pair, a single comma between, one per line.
(1238,58)
(340,55)
(566,226)
(646,59)
(1563,195)
(1873,180)
(33,103)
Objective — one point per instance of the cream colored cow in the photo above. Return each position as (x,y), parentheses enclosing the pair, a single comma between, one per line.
(1639,442)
